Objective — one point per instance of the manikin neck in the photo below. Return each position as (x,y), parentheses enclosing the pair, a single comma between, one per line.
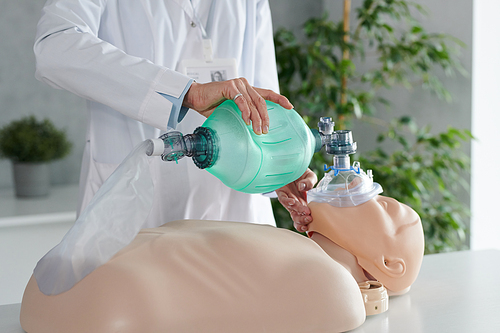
(342,256)
(348,260)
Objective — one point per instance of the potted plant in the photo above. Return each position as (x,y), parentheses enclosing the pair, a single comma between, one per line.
(30,145)
(319,70)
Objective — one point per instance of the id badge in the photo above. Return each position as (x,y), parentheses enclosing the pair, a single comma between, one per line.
(204,72)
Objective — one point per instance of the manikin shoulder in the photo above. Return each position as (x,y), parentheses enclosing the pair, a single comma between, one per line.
(209,277)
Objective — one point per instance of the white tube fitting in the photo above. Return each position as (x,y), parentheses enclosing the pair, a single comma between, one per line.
(156,147)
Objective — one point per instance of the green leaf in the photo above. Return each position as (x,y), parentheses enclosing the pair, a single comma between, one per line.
(356,108)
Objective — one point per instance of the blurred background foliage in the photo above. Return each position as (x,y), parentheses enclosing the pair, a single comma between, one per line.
(29,140)
(318,73)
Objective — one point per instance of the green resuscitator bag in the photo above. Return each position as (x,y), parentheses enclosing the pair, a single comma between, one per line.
(229,149)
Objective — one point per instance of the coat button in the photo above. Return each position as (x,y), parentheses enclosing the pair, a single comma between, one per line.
(193,24)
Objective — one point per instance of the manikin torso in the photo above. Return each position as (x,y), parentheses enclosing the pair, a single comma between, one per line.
(199,276)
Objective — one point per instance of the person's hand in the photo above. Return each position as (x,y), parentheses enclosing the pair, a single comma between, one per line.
(205,97)
(293,198)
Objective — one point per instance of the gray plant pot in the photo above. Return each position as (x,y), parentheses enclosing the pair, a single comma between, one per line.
(31,179)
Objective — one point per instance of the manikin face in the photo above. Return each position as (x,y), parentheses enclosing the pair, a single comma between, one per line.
(384,235)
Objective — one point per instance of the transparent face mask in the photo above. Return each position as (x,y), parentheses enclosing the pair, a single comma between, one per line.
(345,188)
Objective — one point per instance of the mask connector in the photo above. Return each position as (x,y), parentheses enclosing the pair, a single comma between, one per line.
(339,143)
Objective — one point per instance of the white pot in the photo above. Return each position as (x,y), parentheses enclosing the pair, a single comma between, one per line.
(31,179)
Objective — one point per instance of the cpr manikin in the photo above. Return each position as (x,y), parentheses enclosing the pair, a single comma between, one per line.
(199,276)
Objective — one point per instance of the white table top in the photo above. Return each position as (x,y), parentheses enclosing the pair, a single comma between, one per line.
(455,292)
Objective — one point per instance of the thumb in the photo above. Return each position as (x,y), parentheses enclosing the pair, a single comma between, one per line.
(307,181)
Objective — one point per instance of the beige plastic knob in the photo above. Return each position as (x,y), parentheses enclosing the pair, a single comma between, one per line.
(374,296)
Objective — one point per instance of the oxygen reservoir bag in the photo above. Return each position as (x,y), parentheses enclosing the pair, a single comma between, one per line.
(113,218)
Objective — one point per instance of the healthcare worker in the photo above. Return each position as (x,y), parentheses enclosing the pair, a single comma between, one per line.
(135,62)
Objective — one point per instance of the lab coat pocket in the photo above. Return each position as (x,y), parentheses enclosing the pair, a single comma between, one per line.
(97,175)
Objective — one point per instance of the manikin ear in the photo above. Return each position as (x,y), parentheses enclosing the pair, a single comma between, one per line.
(393,267)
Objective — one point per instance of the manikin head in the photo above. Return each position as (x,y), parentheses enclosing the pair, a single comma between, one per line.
(384,235)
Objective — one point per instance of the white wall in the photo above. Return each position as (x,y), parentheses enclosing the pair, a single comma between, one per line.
(293,13)
(21,94)
(485,221)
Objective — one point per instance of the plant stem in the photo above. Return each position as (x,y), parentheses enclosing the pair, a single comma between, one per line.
(345,56)
(347,14)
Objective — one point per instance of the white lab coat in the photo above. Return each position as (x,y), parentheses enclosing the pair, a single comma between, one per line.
(119,54)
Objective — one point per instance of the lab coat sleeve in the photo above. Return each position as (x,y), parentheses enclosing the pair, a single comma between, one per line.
(177,109)
(69,55)
(266,73)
